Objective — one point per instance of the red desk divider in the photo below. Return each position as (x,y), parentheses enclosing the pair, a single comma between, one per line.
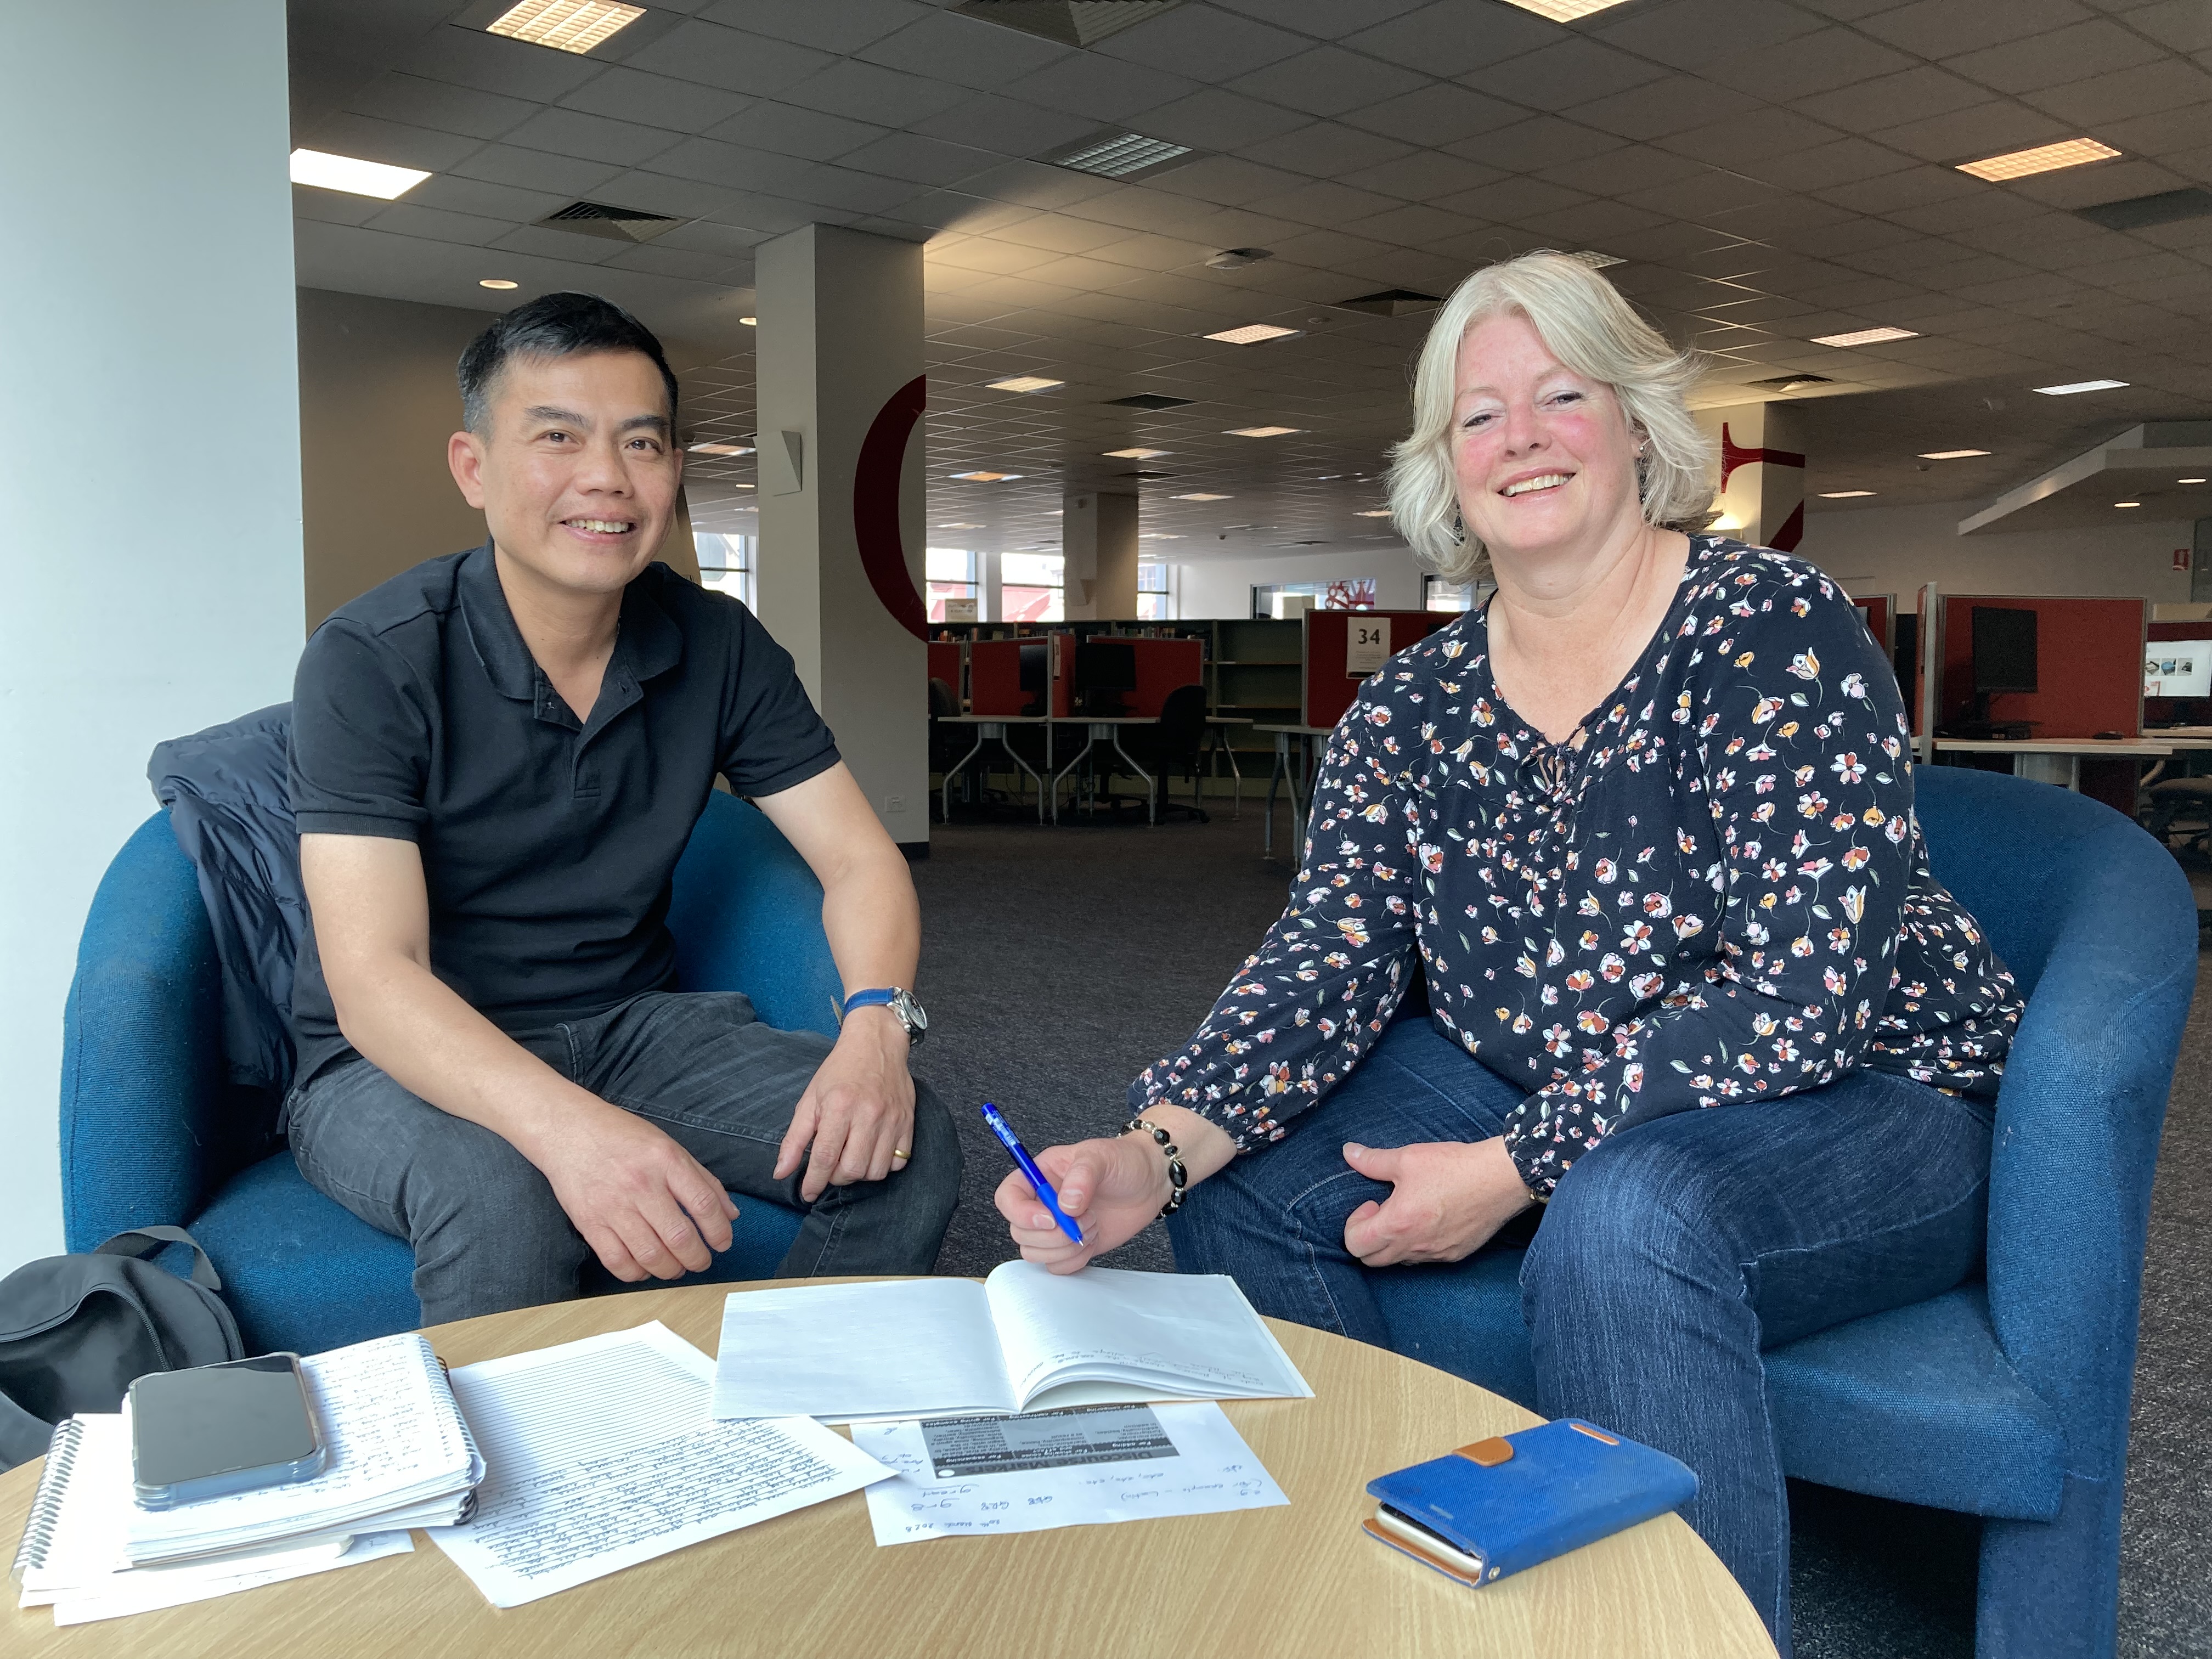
(944,663)
(2089,658)
(1329,687)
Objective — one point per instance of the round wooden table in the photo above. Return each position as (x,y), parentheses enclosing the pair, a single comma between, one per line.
(1276,1583)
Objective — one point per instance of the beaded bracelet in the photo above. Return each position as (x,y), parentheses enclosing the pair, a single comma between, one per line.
(1178,1177)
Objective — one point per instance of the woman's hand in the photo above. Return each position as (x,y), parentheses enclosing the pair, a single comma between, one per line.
(1110,1188)
(1449,1198)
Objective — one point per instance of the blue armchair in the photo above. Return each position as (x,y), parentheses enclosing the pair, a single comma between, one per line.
(2006,1398)
(151,1130)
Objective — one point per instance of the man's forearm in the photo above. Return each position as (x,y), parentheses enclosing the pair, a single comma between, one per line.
(874,921)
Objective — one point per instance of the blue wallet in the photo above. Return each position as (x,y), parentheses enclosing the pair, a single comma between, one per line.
(1501,1505)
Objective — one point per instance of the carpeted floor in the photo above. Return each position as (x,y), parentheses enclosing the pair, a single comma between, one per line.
(1058,963)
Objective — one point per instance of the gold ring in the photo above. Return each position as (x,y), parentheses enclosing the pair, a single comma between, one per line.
(901,1152)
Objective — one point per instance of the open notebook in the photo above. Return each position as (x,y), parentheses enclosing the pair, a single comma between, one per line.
(1023,1339)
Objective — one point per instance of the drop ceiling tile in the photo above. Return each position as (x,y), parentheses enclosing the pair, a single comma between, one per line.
(923,160)
(1325,150)
(1328,81)
(655,101)
(1229,180)
(1326,19)
(2184,25)
(591,137)
(1844,163)
(1423,176)
(532,169)
(665,261)
(1328,250)
(1986,130)
(1889,100)
(1713,191)
(773,215)
(1564,74)
(1913,187)
(1810,63)
(558,245)
(965,51)
(335,206)
(1544,143)
(1512,200)
(660,192)
(1687,33)
(1218,119)
(733,59)
(1452,37)
(788,129)
(1097,87)
(456,194)
(2062,55)
(702,236)
(1944,28)
(1413,225)
(732,166)
(1324,204)
(1622,169)
(1745,134)
(1656,110)
(845,27)
(2103,181)
(2162,135)
(469,58)
(1051,234)
(1438,112)
(391,141)
(439,105)
(1972,213)
(1032,185)
(868,92)
(1597,225)
(1215,45)
(2169,84)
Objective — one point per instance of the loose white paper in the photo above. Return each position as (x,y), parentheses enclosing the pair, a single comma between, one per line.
(977,1476)
(602,1454)
(143,1590)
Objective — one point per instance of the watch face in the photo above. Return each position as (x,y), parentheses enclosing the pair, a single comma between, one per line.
(910,1011)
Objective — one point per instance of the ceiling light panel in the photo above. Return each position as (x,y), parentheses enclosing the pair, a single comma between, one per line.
(352,175)
(1253,333)
(1595,260)
(2073,386)
(564,25)
(1374,513)
(1203,495)
(2127,503)
(1118,155)
(1949,454)
(1564,11)
(1262,431)
(2044,158)
(987,477)
(1865,337)
(1025,383)
(496,281)
(1134,454)
(721,449)
(1842,494)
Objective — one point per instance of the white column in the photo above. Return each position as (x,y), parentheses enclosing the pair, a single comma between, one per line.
(149,445)
(839,356)
(1759,456)
(1098,548)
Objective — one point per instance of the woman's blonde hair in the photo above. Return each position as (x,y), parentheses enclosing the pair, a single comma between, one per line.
(1587,326)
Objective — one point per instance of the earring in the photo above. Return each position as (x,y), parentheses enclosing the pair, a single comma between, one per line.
(1459,526)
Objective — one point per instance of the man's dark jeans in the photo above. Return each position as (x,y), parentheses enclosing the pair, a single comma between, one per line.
(1669,1257)
(488,1232)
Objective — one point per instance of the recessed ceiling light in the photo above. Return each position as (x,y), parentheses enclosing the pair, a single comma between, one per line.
(1842,494)
(2073,386)
(749,322)
(564,25)
(1374,513)
(744,486)
(721,449)
(1262,431)
(495,282)
(1135,454)
(2044,158)
(1252,334)
(1202,495)
(960,524)
(2127,503)
(2189,481)
(1157,536)
(1865,337)
(1563,11)
(1595,260)
(1024,383)
(1949,454)
(356,178)
(987,477)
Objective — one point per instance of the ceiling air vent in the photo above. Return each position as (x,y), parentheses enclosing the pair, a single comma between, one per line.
(2138,211)
(1392,302)
(1071,23)
(615,224)
(1151,400)
(1790,382)
(1114,153)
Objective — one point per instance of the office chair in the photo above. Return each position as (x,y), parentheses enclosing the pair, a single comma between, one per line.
(152,1131)
(948,744)
(1173,747)
(2006,1397)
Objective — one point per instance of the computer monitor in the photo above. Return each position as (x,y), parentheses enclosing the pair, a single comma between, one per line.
(2004,650)
(1104,670)
(2178,668)
(1036,675)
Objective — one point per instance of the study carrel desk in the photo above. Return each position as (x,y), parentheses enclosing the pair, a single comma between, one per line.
(1288,1581)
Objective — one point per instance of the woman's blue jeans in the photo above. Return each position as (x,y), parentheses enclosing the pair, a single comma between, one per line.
(1669,1256)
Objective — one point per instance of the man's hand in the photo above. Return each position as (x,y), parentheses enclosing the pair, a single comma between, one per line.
(857,1113)
(1449,1198)
(643,1204)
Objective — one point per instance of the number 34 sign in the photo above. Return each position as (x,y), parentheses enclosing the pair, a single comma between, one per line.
(1366,646)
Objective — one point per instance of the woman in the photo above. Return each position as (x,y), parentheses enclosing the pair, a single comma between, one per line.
(1647,820)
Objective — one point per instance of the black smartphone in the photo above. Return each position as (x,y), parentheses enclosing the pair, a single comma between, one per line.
(212,1430)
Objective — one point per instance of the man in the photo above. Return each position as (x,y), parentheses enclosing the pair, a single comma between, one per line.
(497,758)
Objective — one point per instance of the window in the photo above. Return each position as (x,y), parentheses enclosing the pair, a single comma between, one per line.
(1156,593)
(1348,594)
(1437,594)
(951,573)
(728,564)
(1030,587)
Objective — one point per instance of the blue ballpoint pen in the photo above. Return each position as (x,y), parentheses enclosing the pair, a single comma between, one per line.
(1028,1165)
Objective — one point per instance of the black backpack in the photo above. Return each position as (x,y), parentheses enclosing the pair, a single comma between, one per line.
(75,1331)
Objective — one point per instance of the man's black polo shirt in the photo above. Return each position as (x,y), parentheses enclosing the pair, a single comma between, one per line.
(418,714)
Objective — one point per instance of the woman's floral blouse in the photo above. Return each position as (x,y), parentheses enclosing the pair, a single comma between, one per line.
(1716,892)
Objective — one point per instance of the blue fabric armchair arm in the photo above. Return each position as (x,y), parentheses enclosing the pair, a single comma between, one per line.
(761,933)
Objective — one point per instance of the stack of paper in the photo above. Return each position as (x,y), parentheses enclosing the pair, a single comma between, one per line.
(399,1456)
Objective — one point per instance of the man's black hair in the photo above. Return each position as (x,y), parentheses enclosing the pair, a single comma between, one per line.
(553,325)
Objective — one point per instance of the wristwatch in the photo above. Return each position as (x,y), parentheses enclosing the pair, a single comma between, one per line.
(903,1007)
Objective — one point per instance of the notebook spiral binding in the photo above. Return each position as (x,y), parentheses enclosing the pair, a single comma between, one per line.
(46,1504)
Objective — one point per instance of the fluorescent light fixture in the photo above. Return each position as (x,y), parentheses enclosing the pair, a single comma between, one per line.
(744,486)
(1157,536)
(2127,503)
(564,25)
(356,178)
(2189,481)
(721,449)
(496,281)
(1203,495)
(1117,154)
(1262,431)
(1373,513)
(1252,334)
(987,477)
(1842,494)
(1595,260)
(1949,454)
(2073,386)
(1135,454)
(958,524)
(1024,383)
(1563,11)
(1865,337)
(749,322)
(2044,158)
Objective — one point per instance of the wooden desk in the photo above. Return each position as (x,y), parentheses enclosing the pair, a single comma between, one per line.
(1288,1582)
(1293,743)
(2054,760)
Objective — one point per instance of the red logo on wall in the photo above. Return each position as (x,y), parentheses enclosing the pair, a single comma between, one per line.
(2181,558)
